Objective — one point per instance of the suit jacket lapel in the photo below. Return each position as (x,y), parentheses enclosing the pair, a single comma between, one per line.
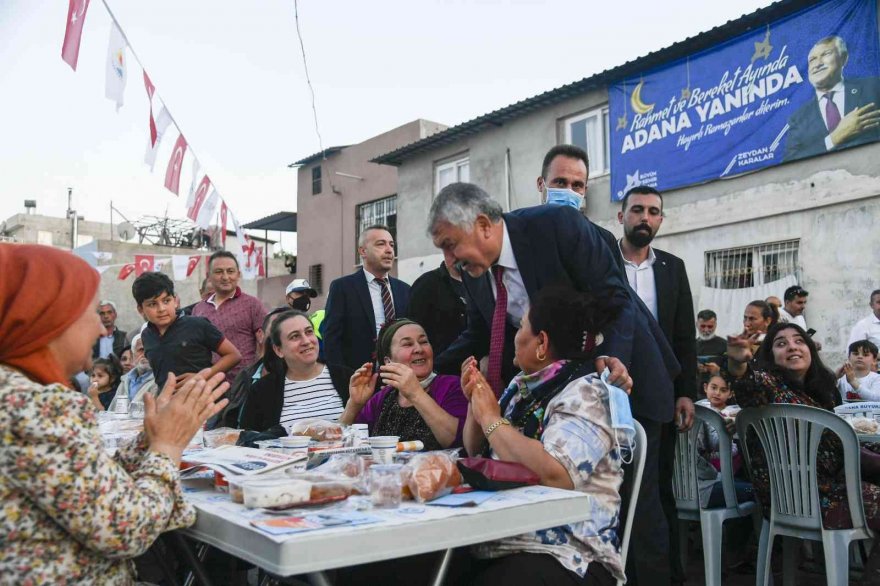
(363,295)
(663,287)
(522,253)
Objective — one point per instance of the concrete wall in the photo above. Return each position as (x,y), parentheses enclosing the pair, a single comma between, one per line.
(327,221)
(26,228)
(831,203)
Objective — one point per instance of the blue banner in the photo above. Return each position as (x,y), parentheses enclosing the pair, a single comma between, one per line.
(798,87)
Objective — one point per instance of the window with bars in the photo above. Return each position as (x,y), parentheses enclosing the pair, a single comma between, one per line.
(316,179)
(316,278)
(749,266)
(381,211)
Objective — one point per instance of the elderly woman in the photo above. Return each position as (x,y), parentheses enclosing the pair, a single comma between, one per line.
(72,514)
(787,369)
(296,385)
(415,403)
(556,421)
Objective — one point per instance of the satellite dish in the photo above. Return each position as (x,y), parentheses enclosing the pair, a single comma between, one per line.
(125,230)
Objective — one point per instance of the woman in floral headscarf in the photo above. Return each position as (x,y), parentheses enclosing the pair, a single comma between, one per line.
(70,513)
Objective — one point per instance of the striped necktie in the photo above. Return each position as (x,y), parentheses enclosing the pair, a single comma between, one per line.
(387,305)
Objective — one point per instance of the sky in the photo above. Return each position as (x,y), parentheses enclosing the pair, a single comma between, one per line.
(231,74)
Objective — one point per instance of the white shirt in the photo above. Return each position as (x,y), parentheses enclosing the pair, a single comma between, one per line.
(376,297)
(641,278)
(866,329)
(869,387)
(787,318)
(838,99)
(517,296)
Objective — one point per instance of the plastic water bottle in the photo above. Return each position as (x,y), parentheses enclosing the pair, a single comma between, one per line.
(122,405)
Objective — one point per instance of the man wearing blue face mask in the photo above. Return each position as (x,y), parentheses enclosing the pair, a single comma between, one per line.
(563,181)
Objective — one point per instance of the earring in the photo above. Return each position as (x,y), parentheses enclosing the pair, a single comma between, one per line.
(540,357)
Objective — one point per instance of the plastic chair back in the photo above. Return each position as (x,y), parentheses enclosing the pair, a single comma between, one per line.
(638,464)
(789,436)
(684,475)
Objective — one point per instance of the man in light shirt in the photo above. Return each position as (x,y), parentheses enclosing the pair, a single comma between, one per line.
(869,327)
(792,312)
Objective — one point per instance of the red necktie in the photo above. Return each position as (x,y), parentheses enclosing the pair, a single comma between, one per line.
(496,340)
(832,114)
(386,300)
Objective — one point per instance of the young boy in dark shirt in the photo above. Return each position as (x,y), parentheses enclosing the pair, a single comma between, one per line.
(174,342)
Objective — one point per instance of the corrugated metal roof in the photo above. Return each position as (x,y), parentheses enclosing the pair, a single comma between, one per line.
(279,221)
(319,155)
(681,49)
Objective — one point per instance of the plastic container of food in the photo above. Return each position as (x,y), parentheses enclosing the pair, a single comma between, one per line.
(275,492)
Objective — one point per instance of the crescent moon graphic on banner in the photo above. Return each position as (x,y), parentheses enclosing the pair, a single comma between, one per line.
(178,157)
(145,264)
(635,100)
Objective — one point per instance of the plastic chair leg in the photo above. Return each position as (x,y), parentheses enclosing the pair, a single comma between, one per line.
(765,552)
(712,528)
(836,547)
(790,550)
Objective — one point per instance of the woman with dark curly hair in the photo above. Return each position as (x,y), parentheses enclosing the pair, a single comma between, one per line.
(787,370)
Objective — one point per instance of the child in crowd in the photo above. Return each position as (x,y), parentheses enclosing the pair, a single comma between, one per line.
(174,342)
(104,379)
(859,380)
(718,397)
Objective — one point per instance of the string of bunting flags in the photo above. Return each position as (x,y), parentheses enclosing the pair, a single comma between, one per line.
(203,199)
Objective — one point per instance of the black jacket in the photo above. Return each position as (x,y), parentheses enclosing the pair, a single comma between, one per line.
(438,308)
(557,245)
(261,408)
(675,312)
(119,344)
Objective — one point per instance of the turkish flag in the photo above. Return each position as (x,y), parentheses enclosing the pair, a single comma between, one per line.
(223,211)
(76,17)
(192,264)
(199,198)
(261,267)
(125,271)
(175,164)
(151,89)
(144,263)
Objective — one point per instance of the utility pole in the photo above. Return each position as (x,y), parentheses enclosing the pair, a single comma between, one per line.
(71,215)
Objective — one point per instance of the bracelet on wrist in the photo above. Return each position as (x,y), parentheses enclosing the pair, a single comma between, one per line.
(489,430)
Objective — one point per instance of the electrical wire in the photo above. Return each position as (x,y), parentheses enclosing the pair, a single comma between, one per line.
(308,79)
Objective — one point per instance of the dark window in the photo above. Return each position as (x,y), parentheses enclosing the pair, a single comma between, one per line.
(316,180)
(316,278)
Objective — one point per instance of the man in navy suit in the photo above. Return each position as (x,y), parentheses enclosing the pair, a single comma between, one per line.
(845,112)
(359,304)
(660,280)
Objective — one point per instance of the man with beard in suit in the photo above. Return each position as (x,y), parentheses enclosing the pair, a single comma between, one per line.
(660,280)
(845,112)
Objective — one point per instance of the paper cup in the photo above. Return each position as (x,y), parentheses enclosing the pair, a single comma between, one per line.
(296,444)
(361,434)
(383,448)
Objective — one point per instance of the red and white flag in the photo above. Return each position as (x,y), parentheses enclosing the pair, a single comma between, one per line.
(209,208)
(143,263)
(198,198)
(163,121)
(194,182)
(175,164)
(151,89)
(261,266)
(223,213)
(125,271)
(116,73)
(192,264)
(76,17)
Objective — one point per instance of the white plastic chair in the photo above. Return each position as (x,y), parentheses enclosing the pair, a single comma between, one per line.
(789,436)
(687,497)
(638,464)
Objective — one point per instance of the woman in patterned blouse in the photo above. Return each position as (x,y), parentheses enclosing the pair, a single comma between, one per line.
(787,369)
(555,419)
(69,513)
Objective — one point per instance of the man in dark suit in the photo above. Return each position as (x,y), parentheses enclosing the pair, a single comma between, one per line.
(359,304)
(437,303)
(113,341)
(566,167)
(844,113)
(660,280)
